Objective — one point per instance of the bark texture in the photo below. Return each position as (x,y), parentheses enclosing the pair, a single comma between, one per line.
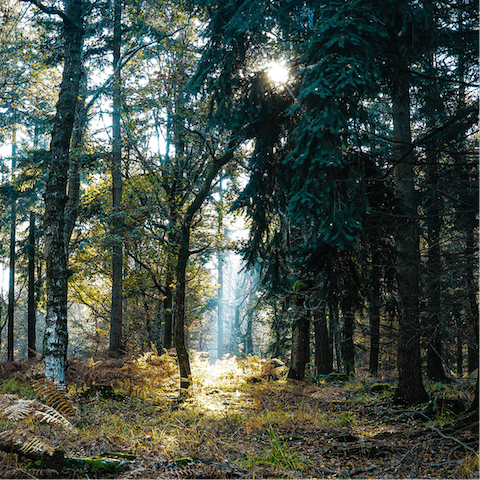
(300,340)
(323,357)
(374,316)
(56,334)
(116,314)
(348,347)
(31,311)
(410,384)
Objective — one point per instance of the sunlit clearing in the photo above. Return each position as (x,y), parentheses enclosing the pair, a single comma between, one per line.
(226,373)
(215,383)
(278,72)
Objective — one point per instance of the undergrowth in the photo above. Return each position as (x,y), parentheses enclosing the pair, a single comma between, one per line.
(240,412)
(277,454)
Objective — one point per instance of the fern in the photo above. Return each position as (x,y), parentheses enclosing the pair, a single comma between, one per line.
(25,414)
(49,415)
(54,398)
(26,441)
(37,445)
(18,409)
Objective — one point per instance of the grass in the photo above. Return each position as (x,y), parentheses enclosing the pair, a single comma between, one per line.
(277,454)
(12,386)
(269,428)
(469,468)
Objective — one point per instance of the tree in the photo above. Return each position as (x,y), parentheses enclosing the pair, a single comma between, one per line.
(11,283)
(300,355)
(32,304)
(213,169)
(117,249)
(410,385)
(56,334)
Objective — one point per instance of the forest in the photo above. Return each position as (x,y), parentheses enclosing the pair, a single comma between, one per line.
(239,239)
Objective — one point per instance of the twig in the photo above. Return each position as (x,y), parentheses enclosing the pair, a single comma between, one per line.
(451,374)
(449,437)
(411,450)
(441,464)
(346,472)
(446,437)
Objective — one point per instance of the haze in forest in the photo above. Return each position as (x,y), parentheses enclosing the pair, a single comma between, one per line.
(343,136)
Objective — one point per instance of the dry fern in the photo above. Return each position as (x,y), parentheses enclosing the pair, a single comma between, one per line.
(24,413)
(37,445)
(33,474)
(25,441)
(17,409)
(54,398)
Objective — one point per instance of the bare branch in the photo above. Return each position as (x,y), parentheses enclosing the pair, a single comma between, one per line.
(52,11)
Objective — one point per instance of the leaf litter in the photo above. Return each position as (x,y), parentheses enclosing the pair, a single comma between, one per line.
(243,419)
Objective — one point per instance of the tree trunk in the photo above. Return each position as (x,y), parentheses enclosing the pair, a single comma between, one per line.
(248,333)
(433,209)
(220,257)
(32,306)
(116,314)
(73,200)
(374,315)
(435,369)
(333,333)
(220,306)
(56,334)
(182,353)
(182,259)
(472,291)
(168,313)
(11,283)
(277,319)
(169,278)
(410,384)
(348,347)
(323,358)
(459,340)
(300,355)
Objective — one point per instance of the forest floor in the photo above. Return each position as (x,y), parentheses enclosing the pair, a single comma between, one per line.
(240,419)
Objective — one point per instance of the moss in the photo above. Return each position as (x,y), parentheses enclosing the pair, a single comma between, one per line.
(96,465)
(381,388)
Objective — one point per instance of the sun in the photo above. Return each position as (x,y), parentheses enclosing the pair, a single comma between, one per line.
(278,72)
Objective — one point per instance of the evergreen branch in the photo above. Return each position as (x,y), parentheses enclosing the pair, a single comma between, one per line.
(420,141)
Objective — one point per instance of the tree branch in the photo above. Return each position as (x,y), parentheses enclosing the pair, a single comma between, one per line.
(53,11)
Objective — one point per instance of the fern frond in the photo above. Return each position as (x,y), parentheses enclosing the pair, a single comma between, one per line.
(43,472)
(7,399)
(154,349)
(37,445)
(20,410)
(49,415)
(54,397)
(8,436)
